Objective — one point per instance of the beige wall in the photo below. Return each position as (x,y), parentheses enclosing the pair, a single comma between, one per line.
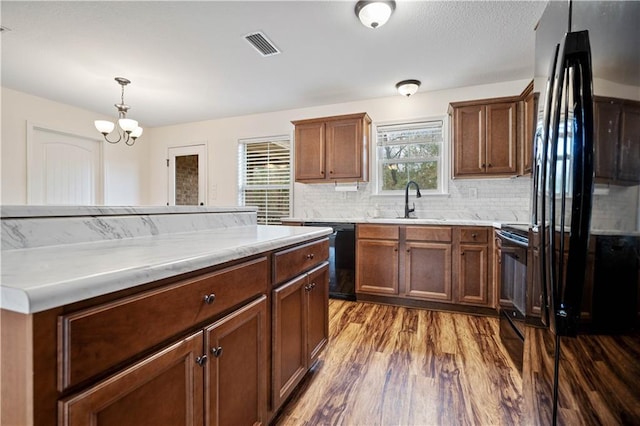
(221,136)
(138,175)
(125,168)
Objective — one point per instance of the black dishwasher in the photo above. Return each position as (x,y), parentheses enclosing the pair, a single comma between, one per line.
(342,259)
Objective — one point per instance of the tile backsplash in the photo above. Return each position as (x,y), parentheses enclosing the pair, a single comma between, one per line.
(502,200)
(505,200)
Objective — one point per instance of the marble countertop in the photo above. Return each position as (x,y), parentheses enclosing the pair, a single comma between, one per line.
(24,211)
(403,221)
(524,226)
(37,279)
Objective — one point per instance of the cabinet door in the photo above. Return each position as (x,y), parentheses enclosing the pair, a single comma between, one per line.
(317,311)
(309,151)
(530,117)
(164,389)
(501,138)
(629,163)
(428,271)
(344,149)
(607,133)
(236,347)
(472,275)
(377,266)
(469,139)
(289,338)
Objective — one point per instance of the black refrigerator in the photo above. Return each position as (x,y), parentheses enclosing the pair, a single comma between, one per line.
(583,366)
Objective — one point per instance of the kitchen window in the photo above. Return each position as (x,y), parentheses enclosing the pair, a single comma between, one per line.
(411,151)
(265,177)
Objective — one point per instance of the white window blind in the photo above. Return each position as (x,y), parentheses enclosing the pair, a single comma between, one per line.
(265,177)
(411,151)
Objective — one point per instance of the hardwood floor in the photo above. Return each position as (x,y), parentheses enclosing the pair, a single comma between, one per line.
(389,365)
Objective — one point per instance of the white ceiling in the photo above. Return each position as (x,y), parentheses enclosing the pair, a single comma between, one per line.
(188,61)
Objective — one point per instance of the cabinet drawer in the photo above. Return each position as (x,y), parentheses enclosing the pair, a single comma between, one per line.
(474,235)
(99,338)
(429,233)
(290,263)
(385,232)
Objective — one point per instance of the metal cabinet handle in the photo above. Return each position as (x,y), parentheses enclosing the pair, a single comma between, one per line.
(201,360)
(312,285)
(217,352)
(310,256)
(461,253)
(209,298)
(490,165)
(474,236)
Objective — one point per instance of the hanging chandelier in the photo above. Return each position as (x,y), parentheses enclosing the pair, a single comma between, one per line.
(128,129)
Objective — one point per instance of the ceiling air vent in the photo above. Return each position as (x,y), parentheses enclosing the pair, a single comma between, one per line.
(262,44)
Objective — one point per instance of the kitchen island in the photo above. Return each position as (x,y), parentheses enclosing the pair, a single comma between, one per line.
(122,315)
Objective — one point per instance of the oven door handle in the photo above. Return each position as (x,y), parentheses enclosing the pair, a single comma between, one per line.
(506,237)
(519,253)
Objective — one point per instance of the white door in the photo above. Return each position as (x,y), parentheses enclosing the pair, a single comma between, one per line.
(63,168)
(187,175)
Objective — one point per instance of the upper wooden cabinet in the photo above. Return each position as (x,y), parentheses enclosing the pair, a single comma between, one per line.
(617,141)
(485,135)
(528,119)
(332,148)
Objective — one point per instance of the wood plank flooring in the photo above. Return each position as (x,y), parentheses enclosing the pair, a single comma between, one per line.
(389,365)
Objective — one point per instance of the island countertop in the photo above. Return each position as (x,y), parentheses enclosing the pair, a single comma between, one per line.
(41,278)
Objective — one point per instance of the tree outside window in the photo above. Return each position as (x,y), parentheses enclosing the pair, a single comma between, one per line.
(410,152)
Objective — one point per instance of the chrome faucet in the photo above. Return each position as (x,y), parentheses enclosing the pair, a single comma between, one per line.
(407,210)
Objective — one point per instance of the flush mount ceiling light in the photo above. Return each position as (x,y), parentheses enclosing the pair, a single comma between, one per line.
(408,87)
(374,14)
(128,130)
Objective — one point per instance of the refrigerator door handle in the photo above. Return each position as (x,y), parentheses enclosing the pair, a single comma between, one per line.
(568,281)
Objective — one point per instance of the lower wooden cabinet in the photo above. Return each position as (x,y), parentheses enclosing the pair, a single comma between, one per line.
(377,270)
(165,388)
(217,375)
(441,264)
(236,347)
(472,253)
(300,329)
(427,263)
(209,348)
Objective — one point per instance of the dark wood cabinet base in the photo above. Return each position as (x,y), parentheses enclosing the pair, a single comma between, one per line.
(425,304)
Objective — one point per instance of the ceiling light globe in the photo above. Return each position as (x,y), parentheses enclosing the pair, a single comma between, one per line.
(127,124)
(103,126)
(408,87)
(136,133)
(374,14)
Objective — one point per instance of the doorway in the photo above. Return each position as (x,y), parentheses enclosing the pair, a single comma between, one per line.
(187,175)
(63,168)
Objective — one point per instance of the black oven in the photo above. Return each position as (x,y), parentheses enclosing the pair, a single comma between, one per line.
(513,244)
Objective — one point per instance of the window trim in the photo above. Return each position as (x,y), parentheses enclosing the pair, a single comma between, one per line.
(242,184)
(445,158)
